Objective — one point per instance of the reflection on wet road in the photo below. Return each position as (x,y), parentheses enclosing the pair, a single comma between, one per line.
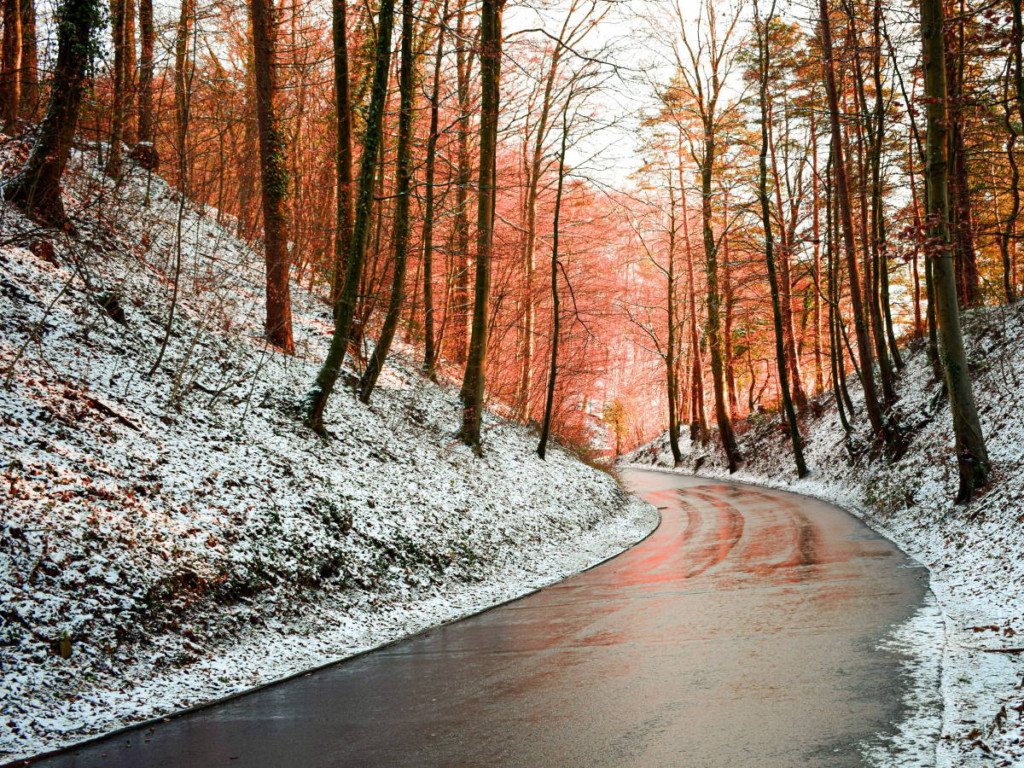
(743,632)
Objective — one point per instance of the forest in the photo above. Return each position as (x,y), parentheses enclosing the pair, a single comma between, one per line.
(335,318)
(600,217)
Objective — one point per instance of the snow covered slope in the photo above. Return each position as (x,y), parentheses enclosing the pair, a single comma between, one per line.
(975,553)
(170,534)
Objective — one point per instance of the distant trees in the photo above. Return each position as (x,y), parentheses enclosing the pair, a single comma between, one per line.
(775,244)
(762,30)
(704,59)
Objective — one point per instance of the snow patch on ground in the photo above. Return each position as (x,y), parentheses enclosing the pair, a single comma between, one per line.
(915,642)
(975,553)
(170,534)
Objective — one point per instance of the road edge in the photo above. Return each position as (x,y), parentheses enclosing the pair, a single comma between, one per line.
(174,715)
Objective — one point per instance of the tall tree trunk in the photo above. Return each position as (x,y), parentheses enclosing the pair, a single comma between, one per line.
(1007,237)
(840,391)
(556,318)
(1017,42)
(463,175)
(533,174)
(762,27)
(473,381)
(182,80)
(327,377)
(972,457)
(966,259)
(870,201)
(343,159)
(145,153)
(699,425)
(274,175)
(29,61)
(728,306)
(430,351)
(10,66)
(786,281)
(714,321)
(403,191)
(131,65)
(819,375)
(880,246)
(842,186)
(118,24)
(36,187)
(671,344)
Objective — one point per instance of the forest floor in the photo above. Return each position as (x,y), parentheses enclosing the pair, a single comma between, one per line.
(975,552)
(171,534)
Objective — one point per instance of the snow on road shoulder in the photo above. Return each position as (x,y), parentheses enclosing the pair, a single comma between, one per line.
(170,534)
(974,553)
(917,642)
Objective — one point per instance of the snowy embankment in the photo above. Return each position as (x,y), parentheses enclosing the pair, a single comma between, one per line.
(170,534)
(975,553)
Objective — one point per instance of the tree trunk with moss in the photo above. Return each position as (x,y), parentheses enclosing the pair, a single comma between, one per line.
(972,456)
(343,160)
(330,370)
(36,188)
(274,173)
(473,382)
(403,191)
(762,27)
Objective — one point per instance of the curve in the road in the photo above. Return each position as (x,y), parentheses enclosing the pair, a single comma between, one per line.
(743,632)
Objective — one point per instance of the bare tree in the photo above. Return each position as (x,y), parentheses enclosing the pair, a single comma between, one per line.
(36,188)
(473,382)
(762,27)
(327,377)
(845,213)
(119,18)
(704,70)
(403,191)
(145,152)
(274,172)
(343,160)
(972,456)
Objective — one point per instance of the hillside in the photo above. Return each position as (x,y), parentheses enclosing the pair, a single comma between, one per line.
(975,553)
(171,534)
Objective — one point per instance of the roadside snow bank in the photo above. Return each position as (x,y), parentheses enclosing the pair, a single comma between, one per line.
(170,534)
(975,553)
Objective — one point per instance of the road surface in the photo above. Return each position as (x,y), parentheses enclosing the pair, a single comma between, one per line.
(743,632)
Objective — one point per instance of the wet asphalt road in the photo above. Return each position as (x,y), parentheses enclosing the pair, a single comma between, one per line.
(741,633)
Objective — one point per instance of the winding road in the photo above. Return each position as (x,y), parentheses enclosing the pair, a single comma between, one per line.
(743,632)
